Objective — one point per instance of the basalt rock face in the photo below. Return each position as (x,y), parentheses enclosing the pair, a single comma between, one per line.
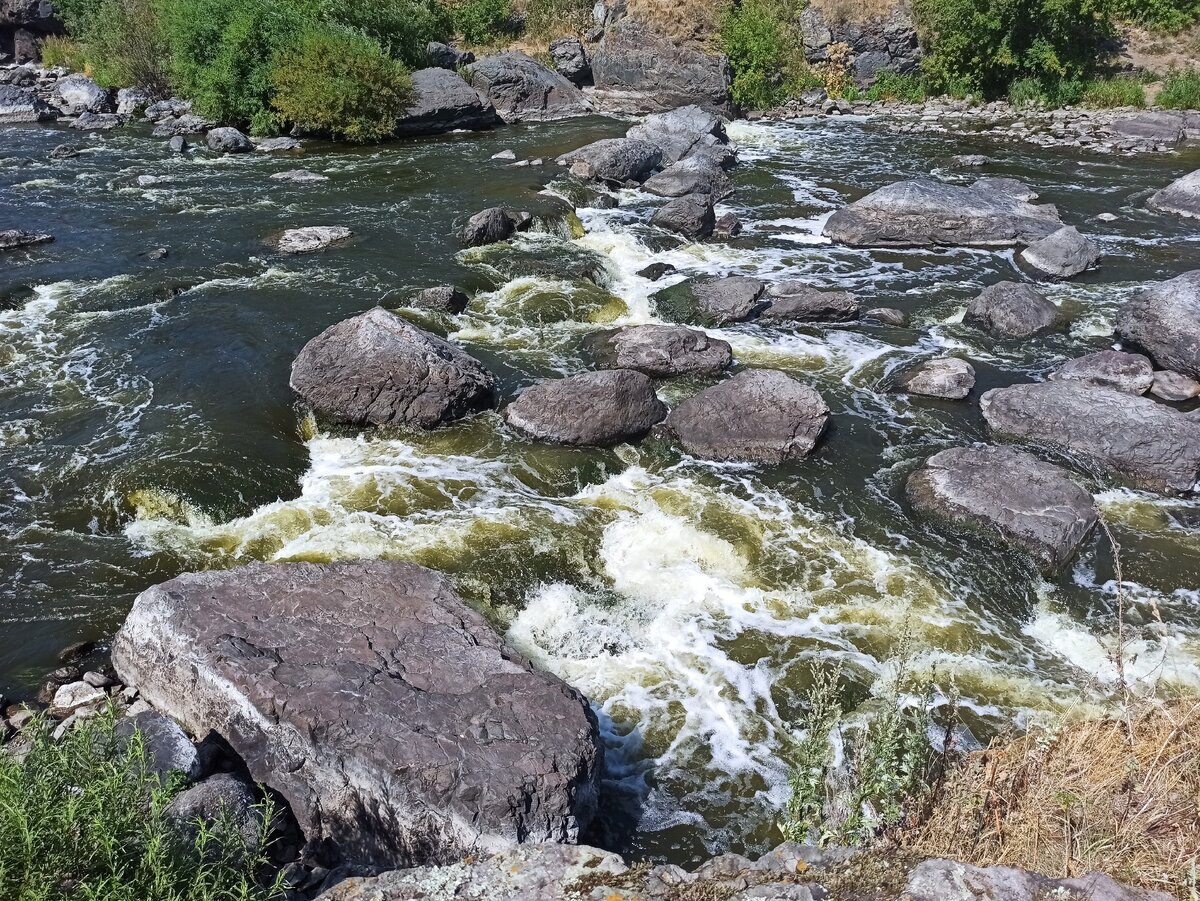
(1031,504)
(1181,197)
(523,90)
(398,726)
(876,44)
(444,102)
(377,369)
(993,212)
(686,132)
(637,70)
(1164,321)
(23,105)
(1150,444)
(593,409)
(24,24)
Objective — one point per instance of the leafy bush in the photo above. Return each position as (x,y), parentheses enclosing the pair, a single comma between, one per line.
(82,818)
(892,86)
(341,83)
(1160,15)
(1025,92)
(761,40)
(481,21)
(402,27)
(63,51)
(1181,90)
(1112,92)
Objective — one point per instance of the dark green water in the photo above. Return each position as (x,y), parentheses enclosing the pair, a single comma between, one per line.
(146,428)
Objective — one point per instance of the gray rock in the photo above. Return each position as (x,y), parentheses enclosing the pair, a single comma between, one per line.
(169,751)
(14,238)
(758,416)
(377,369)
(1164,321)
(728,225)
(76,695)
(1151,127)
(443,102)
(990,213)
(312,238)
(78,94)
(732,299)
(637,70)
(1181,197)
(593,409)
(694,175)
(1174,387)
(299,177)
(440,299)
(23,105)
(1152,445)
(944,880)
(792,301)
(395,722)
(946,377)
(1011,310)
(1030,504)
(571,60)
(492,225)
(228,140)
(98,121)
(1064,254)
(223,799)
(277,145)
(64,152)
(523,90)
(692,216)
(613,160)
(663,351)
(969,161)
(888,316)
(685,132)
(187,124)
(655,271)
(168,109)
(1127,373)
(177,144)
(132,101)
(446,57)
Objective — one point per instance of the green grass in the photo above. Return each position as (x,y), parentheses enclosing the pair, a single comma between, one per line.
(82,819)
(1181,90)
(1114,92)
(894,87)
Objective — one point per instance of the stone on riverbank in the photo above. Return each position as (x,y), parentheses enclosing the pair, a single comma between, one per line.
(1181,197)
(77,94)
(23,105)
(614,160)
(1029,503)
(592,409)
(758,416)
(1064,254)
(1127,373)
(443,102)
(523,90)
(993,212)
(685,132)
(187,124)
(312,238)
(792,301)
(98,121)
(1164,321)
(378,369)
(1174,387)
(1011,310)
(228,140)
(692,216)
(396,723)
(169,751)
(663,351)
(1152,445)
(222,797)
(493,225)
(694,175)
(13,238)
(948,377)
(280,144)
(446,57)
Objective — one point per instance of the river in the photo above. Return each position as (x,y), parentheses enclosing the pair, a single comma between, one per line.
(147,428)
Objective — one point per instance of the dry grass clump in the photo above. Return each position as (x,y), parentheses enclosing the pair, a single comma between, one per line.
(853,10)
(683,21)
(1116,796)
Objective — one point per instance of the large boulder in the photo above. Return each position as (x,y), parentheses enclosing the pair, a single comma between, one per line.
(948,378)
(614,160)
(1064,254)
(1157,127)
(77,94)
(440,299)
(571,60)
(1031,504)
(24,25)
(692,216)
(993,212)
(23,105)
(492,225)
(1127,373)
(395,722)
(228,140)
(695,175)
(758,416)
(792,301)
(312,238)
(1011,310)
(638,70)
(446,57)
(949,880)
(223,799)
(685,132)
(523,90)
(1164,321)
(1181,197)
(1152,445)
(734,298)
(593,409)
(663,351)
(377,369)
(169,751)
(443,102)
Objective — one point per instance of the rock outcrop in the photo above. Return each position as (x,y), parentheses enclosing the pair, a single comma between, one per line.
(1011,310)
(18,105)
(1152,445)
(948,378)
(686,132)
(443,102)
(663,351)
(571,60)
(1181,197)
(1127,373)
(392,718)
(1164,321)
(758,416)
(694,175)
(523,90)
(24,25)
(876,43)
(617,161)
(993,212)
(692,216)
(377,369)
(592,409)
(637,70)
(1027,502)
(1064,254)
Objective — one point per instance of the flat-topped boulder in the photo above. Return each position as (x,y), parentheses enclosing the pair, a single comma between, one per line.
(443,102)
(686,132)
(378,369)
(1181,197)
(397,724)
(1152,127)
(1127,373)
(312,238)
(694,175)
(592,409)
(1007,492)
(758,416)
(948,378)
(793,301)
(993,212)
(1152,445)
(735,298)
(614,160)
(1164,321)
(663,351)
(1064,254)
(1011,310)
(523,90)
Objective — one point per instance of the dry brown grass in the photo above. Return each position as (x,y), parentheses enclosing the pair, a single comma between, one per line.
(683,21)
(1116,796)
(853,10)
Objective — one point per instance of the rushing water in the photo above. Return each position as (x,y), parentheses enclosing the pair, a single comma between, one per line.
(146,428)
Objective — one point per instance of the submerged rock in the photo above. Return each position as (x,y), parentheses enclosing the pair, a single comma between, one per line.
(1127,373)
(523,90)
(1011,310)
(792,301)
(228,140)
(1153,445)
(492,225)
(614,160)
(299,176)
(663,351)
(1164,321)
(993,212)
(395,722)
(655,271)
(947,377)
(593,409)
(443,102)
(694,175)
(277,145)
(888,316)
(1181,197)
(440,299)
(758,416)
(1064,254)
(684,133)
(14,238)
(692,216)
(1027,502)
(312,238)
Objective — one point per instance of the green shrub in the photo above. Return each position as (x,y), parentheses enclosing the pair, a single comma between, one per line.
(63,51)
(892,86)
(1160,15)
(760,38)
(1181,90)
(403,28)
(82,818)
(341,83)
(482,21)
(1026,92)
(1112,92)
